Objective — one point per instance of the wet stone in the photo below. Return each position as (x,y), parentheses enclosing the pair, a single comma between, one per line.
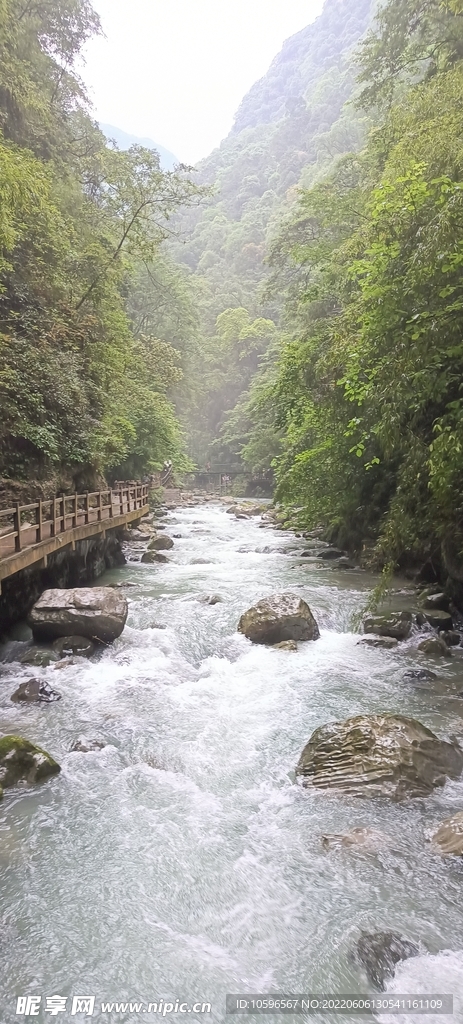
(84,745)
(35,691)
(395,624)
(378,755)
(449,837)
(39,657)
(434,646)
(386,642)
(380,952)
(73,646)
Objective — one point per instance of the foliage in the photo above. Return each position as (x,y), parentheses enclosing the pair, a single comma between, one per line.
(82,385)
(369,392)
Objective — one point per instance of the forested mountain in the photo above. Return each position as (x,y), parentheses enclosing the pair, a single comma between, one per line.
(368,390)
(124,141)
(288,131)
(83,390)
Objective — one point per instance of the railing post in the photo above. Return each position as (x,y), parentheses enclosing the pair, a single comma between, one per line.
(121,501)
(63,521)
(99,507)
(17,526)
(53,524)
(39,522)
(86,507)
(111,502)
(74,518)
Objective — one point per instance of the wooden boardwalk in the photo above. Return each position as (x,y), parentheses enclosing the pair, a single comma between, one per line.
(29,533)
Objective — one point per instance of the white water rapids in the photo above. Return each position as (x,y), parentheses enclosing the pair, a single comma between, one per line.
(182,861)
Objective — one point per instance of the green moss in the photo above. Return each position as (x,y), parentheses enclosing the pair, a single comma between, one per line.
(21,759)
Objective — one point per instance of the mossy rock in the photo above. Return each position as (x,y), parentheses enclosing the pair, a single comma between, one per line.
(39,657)
(395,624)
(21,760)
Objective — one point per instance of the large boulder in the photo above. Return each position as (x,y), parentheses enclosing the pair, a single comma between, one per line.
(448,839)
(378,755)
(163,543)
(395,624)
(278,618)
(23,761)
(97,613)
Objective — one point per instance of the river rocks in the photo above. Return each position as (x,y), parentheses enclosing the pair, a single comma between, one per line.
(378,755)
(368,839)
(35,691)
(21,760)
(419,674)
(73,646)
(331,553)
(97,613)
(163,543)
(200,561)
(448,839)
(450,637)
(150,557)
(39,657)
(380,952)
(387,642)
(434,646)
(439,619)
(278,618)
(286,645)
(210,599)
(395,624)
(346,563)
(84,745)
(437,601)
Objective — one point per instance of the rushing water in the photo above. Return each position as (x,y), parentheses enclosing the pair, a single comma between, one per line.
(182,861)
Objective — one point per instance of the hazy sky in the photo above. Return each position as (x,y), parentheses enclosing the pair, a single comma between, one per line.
(176,70)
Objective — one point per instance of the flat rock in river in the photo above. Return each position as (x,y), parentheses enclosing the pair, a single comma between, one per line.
(97,613)
(395,624)
(378,755)
(278,618)
(387,642)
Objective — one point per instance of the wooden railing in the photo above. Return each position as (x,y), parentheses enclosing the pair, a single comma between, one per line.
(40,520)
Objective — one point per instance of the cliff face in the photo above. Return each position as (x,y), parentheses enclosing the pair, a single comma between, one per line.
(289,129)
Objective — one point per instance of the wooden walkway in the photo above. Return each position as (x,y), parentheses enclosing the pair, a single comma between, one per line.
(29,533)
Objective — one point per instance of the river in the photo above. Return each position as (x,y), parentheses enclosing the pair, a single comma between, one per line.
(182,861)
